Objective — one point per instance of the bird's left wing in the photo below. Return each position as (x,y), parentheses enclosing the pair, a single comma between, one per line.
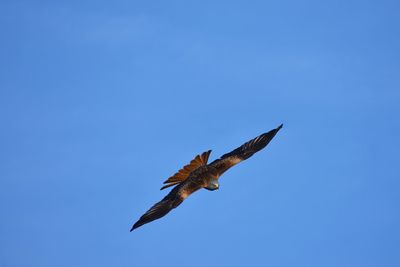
(160,209)
(244,152)
(177,195)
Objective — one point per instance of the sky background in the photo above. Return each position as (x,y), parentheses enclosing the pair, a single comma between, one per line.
(101,101)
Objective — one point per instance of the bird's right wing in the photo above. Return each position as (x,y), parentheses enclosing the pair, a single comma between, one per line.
(183,173)
(244,152)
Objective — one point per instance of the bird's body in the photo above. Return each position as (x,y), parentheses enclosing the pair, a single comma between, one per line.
(198,174)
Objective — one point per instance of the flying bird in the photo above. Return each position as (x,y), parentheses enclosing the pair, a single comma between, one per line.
(198,174)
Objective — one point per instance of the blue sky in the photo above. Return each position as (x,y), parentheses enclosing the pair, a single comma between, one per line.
(101,101)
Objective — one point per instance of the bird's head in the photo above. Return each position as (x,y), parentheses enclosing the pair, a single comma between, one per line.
(213,185)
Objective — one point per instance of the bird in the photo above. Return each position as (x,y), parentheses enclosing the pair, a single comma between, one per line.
(198,174)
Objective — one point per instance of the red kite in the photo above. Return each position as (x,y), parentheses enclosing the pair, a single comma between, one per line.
(198,174)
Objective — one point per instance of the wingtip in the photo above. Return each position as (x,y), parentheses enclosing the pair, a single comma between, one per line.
(136,225)
(279,127)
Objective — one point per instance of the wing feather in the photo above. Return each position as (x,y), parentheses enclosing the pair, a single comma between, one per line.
(174,198)
(244,152)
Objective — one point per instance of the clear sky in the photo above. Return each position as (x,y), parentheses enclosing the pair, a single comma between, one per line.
(101,101)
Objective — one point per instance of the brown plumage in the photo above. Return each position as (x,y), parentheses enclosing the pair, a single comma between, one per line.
(183,173)
(197,174)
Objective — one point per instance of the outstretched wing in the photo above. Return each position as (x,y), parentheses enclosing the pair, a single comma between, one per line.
(183,173)
(159,210)
(171,201)
(243,152)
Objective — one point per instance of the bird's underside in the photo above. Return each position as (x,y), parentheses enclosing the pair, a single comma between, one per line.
(198,174)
